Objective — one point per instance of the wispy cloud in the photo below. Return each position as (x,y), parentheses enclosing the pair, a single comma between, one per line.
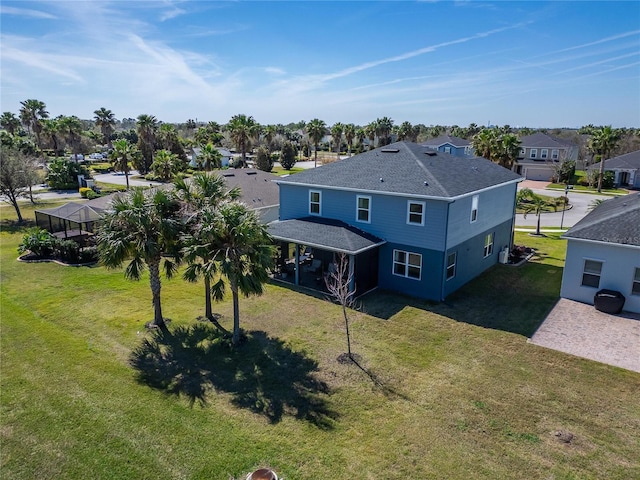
(25,12)
(591,44)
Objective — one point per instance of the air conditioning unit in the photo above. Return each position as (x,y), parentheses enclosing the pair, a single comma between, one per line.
(503,256)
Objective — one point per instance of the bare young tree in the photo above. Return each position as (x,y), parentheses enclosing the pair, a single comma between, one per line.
(338,282)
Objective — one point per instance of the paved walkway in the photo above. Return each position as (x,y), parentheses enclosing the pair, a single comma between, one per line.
(581,330)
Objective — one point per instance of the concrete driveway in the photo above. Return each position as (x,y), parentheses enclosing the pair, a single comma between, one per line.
(581,330)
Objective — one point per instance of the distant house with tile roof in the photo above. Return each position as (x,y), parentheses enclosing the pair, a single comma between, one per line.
(603,252)
(625,167)
(411,219)
(454,145)
(539,153)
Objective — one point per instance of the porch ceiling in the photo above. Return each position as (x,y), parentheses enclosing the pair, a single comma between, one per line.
(325,234)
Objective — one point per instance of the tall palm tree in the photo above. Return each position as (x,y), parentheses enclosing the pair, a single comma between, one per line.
(405,131)
(10,122)
(336,135)
(209,157)
(269,132)
(484,143)
(370,131)
(166,165)
(142,228)
(509,147)
(122,156)
(360,136)
(50,131)
(106,121)
(71,129)
(603,141)
(203,190)
(316,129)
(384,127)
(237,248)
(243,129)
(31,114)
(349,135)
(146,128)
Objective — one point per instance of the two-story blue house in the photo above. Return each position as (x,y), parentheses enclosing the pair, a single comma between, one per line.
(454,145)
(411,219)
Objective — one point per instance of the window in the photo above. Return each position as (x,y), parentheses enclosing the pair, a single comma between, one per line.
(363,209)
(407,264)
(522,152)
(474,208)
(635,287)
(591,273)
(467,150)
(447,149)
(415,213)
(488,245)
(315,199)
(544,153)
(533,153)
(555,154)
(451,265)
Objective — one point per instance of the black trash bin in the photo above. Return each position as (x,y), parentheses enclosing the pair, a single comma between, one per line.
(608,301)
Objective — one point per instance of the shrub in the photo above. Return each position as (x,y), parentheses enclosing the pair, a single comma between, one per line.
(91,195)
(608,179)
(88,255)
(63,174)
(288,156)
(84,191)
(39,242)
(67,251)
(263,160)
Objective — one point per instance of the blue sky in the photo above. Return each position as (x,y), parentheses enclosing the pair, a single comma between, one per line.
(536,64)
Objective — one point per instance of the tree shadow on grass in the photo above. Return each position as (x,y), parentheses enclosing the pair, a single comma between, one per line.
(13,226)
(263,374)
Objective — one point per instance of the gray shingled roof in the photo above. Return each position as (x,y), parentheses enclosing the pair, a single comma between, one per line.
(630,161)
(324,233)
(405,168)
(542,140)
(444,139)
(616,220)
(258,187)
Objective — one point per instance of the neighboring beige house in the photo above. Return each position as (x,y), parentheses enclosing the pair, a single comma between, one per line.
(539,153)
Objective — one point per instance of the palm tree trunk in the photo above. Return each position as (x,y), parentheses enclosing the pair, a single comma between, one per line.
(538,225)
(315,161)
(154,281)
(601,173)
(207,298)
(235,339)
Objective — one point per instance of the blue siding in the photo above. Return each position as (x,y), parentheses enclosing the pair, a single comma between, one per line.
(388,215)
(470,256)
(495,207)
(428,287)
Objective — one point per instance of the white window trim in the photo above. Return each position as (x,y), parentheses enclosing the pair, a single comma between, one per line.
(599,275)
(447,150)
(544,153)
(533,153)
(424,209)
(319,202)
(454,265)
(555,154)
(358,209)
(406,265)
(488,247)
(474,209)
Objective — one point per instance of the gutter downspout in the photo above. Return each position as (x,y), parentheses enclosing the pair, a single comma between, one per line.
(443,272)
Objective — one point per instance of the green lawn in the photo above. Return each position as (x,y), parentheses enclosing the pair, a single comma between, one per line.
(450,390)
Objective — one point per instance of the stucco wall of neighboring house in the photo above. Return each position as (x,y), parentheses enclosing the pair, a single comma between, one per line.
(619,263)
(495,206)
(470,259)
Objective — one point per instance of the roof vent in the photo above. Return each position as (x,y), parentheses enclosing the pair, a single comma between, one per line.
(252,173)
(390,150)
(426,184)
(228,175)
(381,179)
(431,153)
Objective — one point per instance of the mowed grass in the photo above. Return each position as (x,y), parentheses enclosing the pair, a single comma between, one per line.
(449,390)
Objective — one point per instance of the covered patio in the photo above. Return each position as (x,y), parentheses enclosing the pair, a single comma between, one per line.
(308,248)
(72,221)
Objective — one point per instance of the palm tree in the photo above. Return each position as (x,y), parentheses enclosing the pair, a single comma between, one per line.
(484,143)
(405,131)
(71,129)
(10,122)
(360,136)
(204,190)
(166,165)
(349,135)
(336,134)
(529,202)
(370,131)
(143,229)
(316,129)
(269,131)
(106,121)
(209,157)
(146,128)
(50,130)
(31,113)
(232,244)
(123,154)
(603,141)
(384,127)
(509,147)
(243,129)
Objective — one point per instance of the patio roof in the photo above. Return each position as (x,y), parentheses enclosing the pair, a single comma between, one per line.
(74,212)
(325,234)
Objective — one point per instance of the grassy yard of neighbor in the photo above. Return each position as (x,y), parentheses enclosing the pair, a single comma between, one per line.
(450,390)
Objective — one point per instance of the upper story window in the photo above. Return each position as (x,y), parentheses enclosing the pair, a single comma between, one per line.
(488,244)
(474,208)
(591,273)
(544,153)
(635,287)
(467,150)
(363,209)
(533,153)
(447,149)
(555,154)
(315,202)
(451,265)
(415,213)
(407,264)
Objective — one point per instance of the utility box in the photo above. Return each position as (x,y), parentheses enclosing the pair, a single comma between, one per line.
(503,256)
